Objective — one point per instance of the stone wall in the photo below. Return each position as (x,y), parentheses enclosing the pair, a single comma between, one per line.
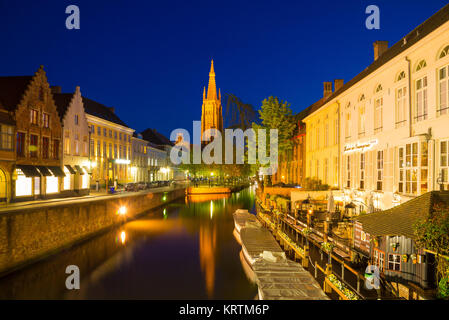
(33,233)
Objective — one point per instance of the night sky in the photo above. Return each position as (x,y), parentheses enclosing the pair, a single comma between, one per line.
(150,59)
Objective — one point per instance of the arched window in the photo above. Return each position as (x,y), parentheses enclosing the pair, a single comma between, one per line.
(379,88)
(421,65)
(400,76)
(444,52)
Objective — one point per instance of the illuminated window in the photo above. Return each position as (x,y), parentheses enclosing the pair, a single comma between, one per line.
(421,99)
(348,171)
(52,184)
(394,262)
(362,171)
(6,142)
(401,106)
(34,116)
(362,118)
(444,161)
(379,259)
(443,99)
(380,170)
(23,184)
(67,179)
(45,120)
(408,169)
(378,115)
(85,180)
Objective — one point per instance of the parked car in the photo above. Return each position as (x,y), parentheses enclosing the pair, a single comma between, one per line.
(131,187)
(141,186)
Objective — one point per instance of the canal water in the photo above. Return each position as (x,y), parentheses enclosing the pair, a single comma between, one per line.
(184,250)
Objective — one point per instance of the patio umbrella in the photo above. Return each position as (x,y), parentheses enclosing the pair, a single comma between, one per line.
(331,203)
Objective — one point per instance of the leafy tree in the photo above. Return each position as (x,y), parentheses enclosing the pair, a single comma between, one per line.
(433,234)
(276,114)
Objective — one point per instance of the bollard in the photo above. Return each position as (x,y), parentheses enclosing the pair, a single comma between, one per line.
(327,288)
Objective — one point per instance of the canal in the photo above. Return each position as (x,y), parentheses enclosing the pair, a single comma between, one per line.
(183,250)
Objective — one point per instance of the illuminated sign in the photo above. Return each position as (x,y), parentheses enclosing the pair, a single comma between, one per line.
(122,161)
(360,146)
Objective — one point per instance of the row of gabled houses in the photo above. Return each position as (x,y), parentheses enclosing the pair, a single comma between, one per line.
(57,144)
(381,143)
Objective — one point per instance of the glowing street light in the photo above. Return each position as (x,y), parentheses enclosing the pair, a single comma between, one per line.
(122,210)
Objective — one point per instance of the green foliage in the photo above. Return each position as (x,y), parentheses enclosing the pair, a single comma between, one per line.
(443,288)
(433,234)
(314,185)
(276,114)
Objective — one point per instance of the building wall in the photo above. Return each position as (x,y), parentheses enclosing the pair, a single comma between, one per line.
(322,144)
(139,162)
(397,128)
(38,97)
(107,139)
(76,143)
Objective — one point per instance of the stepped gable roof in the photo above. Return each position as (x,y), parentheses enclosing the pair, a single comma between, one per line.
(12,90)
(417,34)
(101,111)
(400,220)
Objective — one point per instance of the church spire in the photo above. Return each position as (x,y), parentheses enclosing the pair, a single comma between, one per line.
(212,88)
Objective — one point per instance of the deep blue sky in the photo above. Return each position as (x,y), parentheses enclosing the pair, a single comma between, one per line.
(150,59)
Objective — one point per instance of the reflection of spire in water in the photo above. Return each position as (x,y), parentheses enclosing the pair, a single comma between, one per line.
(208,239)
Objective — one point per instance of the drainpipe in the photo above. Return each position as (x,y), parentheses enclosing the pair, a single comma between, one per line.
(339,144)
(409,95)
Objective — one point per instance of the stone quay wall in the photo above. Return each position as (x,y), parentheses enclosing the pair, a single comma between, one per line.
(28,234)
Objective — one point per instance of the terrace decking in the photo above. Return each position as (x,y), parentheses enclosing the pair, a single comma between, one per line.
(277,277)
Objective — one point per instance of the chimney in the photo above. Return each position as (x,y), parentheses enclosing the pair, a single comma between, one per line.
(112,109)
(55,89)
(327,89)
(379,48)
(338,83)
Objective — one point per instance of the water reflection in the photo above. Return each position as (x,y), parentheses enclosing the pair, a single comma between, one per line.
(184,250)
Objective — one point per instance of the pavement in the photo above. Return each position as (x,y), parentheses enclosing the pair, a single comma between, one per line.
(94,195)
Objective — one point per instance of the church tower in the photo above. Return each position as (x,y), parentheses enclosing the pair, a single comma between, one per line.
(212,114)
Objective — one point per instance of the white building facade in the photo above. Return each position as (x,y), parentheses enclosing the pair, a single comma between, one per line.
(394,134)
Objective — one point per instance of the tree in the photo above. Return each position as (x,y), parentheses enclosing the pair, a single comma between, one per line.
(276,114)
(433,234)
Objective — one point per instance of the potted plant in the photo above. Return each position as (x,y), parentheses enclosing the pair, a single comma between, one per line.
(395,246)
(413,257)
(405,257)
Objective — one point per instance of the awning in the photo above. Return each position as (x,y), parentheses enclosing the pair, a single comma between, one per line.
(44,171)
(29,171)
(57,171)
(78,168)
(71,170)
(86,169)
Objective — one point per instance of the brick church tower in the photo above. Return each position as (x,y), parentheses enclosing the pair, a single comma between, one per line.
(212,114)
